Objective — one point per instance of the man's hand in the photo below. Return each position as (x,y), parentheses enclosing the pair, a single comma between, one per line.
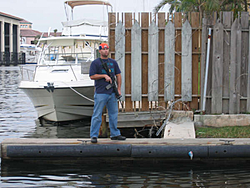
(101,76)
(107,78)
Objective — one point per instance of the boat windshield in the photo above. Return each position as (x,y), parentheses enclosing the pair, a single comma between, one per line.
(69,52)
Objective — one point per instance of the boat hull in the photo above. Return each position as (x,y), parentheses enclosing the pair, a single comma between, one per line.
(62,104)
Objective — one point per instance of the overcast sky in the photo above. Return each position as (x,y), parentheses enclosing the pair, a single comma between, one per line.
(50,13)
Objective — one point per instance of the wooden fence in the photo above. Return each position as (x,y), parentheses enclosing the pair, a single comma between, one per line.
(164,59)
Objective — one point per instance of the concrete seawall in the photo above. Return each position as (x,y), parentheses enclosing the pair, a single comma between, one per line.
(222,120)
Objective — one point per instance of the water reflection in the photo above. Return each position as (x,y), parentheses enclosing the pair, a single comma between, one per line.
(78,129)
(133,175)
(17,115)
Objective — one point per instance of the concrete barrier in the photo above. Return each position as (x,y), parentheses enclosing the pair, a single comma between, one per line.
(222,120)
(131,149)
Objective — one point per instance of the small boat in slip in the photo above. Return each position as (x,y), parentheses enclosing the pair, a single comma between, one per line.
(59,85)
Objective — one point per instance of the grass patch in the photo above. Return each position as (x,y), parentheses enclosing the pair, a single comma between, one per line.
(223,132)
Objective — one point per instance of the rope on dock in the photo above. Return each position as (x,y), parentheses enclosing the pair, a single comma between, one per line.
(79,93)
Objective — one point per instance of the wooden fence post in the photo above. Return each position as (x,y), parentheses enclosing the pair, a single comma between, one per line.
(136,83)
(153,62)
(169,69)
(227,23)
(217,68)
(120,53)
(244,20)
(186,62)
(248,84)
(234,101)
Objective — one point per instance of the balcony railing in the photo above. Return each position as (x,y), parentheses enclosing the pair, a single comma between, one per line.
(12,58)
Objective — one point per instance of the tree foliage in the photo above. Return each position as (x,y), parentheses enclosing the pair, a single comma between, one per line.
(203,6)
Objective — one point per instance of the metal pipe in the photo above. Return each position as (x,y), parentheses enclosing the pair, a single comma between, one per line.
(207,66)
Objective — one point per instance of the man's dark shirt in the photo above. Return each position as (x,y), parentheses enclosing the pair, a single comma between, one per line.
(97,68)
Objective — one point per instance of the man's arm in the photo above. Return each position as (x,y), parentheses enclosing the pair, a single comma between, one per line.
(100,76)
(119,82)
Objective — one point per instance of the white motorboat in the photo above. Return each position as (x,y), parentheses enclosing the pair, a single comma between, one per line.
(59,86)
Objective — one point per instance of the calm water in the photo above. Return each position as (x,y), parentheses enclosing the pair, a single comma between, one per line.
(18,119)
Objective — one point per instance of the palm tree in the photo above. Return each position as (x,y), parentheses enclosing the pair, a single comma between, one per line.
(55,30)
(203,6)
(235,5)
(190,5)
(36,39)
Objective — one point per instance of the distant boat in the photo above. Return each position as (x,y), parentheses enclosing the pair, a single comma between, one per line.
(60,88)
(32,53)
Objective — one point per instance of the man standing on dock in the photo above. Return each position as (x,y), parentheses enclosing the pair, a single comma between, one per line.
(105,95)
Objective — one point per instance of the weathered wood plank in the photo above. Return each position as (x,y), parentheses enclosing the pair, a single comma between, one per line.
(136,82)
(120,53)
(238,67)
(169,76)
(112,24)
(186,62)
(227,22)
(153,62)
(196,43)
(234,101)
(233,52)
(177,23)
(244,61)
(248,84)
(128,25)
(144,48)
(217,68)
(161,23)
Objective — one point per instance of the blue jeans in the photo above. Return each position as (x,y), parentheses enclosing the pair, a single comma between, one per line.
(111,103)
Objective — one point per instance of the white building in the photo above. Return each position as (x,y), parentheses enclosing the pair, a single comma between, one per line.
(9,37)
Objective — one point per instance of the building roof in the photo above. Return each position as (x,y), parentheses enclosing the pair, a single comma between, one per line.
(29,33)
(25,22)
(10,16)
(34,33)
(52,34)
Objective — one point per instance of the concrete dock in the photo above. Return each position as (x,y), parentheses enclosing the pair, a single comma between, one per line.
(131,149)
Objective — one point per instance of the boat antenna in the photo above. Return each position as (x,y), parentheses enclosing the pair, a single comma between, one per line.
(65,9)
(49,31)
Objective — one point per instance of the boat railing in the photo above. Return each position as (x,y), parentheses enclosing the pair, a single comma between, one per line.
(27,73)
(61,58)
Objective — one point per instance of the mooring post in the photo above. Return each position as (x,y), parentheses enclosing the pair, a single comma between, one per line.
(104,130)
